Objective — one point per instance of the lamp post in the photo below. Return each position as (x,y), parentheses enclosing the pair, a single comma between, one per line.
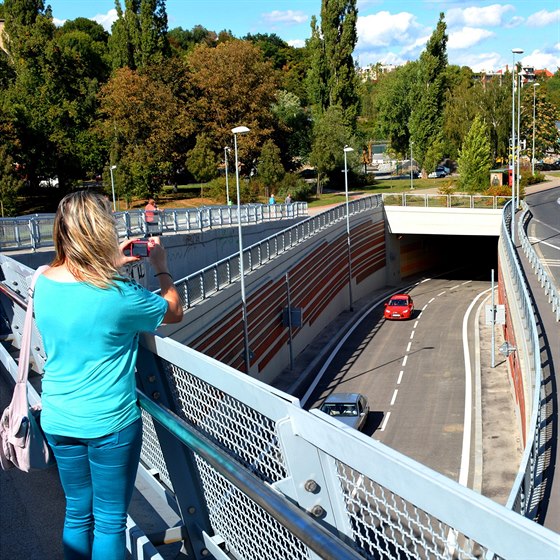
(241,130)
(411,174)
(518,172)
(111,168)
(535,86)
(346,150)
(513,145)
(226,150)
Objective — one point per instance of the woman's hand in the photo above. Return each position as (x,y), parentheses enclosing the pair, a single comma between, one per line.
(123,258)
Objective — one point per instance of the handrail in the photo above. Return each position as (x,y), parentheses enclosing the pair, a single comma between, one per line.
(298,522)
(35,231)
(432,200)
(526,483)
(545,280)
(202,284)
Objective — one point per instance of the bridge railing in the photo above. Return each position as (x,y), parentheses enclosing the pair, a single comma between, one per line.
(256,476)
(527,490)
(545,280)
(35,231)
(202,284)
(429,200)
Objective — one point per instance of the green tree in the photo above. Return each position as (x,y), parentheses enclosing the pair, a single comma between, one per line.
(330,135)
(316,79)
(475,158)
(139,35)
(338,28)
(426,119)
(202,160)
(546,117)
(269,168)
(10,183)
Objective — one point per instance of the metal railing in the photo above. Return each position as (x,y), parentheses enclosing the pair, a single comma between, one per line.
(35,231)
(427,200)
(547,283)
(374,501)
(202,284)
(527,489)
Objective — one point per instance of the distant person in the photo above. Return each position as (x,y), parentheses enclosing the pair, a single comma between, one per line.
(151,215)
(288,203)
(272,200)
(288,199)
(89,315)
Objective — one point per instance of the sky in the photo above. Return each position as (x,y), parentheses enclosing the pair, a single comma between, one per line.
(481,34)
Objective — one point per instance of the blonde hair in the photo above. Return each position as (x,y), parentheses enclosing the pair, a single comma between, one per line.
(85,239)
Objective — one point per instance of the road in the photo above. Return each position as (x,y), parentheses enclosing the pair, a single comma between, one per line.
(414,374)
(544,229)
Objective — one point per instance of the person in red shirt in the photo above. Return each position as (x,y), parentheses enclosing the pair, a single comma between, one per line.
(151,216)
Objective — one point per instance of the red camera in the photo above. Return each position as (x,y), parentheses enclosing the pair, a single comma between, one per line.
(138,249)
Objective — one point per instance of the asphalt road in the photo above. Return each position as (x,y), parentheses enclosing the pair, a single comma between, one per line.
(544,229)
(413,373)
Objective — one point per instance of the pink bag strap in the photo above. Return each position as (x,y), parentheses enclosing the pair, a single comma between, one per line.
(25,348)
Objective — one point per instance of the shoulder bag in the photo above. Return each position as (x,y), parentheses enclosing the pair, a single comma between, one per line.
(22,441)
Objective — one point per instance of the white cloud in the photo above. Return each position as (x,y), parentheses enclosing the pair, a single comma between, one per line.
(484,62)
(58,22)
(384,29)
(416,46)
(542,18)
(296,43)
(106,20)
(384,57)
(468,37)
(515,21)
(291,17)
(487,16)
(539,60)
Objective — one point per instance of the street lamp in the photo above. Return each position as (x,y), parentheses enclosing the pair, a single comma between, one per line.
(241,130)
(535,86)
(411,180)
(513,145)
(226,150)
(346,150)
(111,168)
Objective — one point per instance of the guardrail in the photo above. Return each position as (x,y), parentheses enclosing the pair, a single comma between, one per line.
(546,282)
(202,284)
(368,496)
(428,200)
(35,231)
(526,491)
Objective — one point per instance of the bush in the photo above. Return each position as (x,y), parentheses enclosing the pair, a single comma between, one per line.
(298,188)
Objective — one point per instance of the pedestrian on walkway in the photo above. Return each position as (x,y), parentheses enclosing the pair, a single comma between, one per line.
(89,316)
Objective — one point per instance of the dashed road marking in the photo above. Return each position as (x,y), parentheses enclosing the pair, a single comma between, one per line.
(412,335)
(400,377)
(384,423)
(408,346)
(395,393)
(441,293)
(432,300)
(404,361)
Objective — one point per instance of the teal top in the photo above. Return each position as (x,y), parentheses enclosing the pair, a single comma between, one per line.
(90,336)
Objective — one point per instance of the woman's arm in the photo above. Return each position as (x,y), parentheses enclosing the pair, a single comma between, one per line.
(158,260)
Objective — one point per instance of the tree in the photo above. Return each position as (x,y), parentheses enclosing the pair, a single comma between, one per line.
(269,168)
(330,135)
(139,35)
(316,79)
(475,158)
(546,117)
(10,183)
(141,119)
(338,27)
(426,119)
(202,161)
(234,86)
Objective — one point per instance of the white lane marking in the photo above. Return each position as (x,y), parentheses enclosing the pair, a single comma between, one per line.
(408,346)
(467,420)
(400,377)
(412,335)
(424,308)
(384,423)
(404,361)
(425,280)
(415,325)
(547,244)
(432,300)
(467,282)
(456,286)
(441,293)
(394,397)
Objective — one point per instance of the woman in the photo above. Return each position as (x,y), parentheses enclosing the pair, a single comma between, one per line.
(89,316)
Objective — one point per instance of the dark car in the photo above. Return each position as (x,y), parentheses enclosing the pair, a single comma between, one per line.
(351,409)
(400,306)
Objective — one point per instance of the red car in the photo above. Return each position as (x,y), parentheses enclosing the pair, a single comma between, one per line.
(400,306)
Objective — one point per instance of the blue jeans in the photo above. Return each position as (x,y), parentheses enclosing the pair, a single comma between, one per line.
(98,479)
